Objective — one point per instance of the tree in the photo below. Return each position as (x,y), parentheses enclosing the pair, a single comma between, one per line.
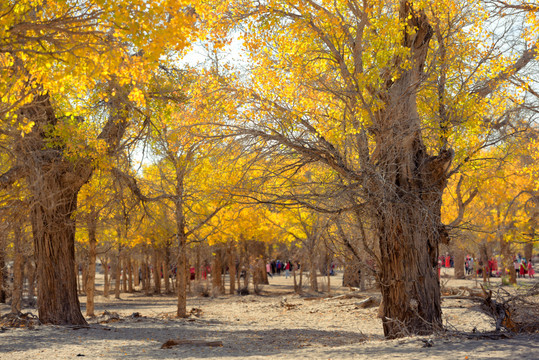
(388,78)
(58,60)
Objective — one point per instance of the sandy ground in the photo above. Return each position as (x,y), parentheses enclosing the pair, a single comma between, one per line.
(275,325)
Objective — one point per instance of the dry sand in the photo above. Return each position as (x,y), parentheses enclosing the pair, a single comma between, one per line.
(275,325)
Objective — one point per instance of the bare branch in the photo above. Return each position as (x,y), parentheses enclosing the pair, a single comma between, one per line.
(9,177)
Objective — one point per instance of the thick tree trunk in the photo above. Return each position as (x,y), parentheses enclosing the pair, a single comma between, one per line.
(91,223)
(54,182)
(407,195)
(409,281)
(54,244)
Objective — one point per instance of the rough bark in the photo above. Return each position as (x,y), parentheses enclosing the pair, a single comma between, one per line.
(408,194)
(54,182)
(351,276)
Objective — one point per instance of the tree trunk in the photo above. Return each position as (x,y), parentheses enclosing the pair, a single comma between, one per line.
(16,294)
(54,244)
(329,277)
(297,289)
(166,268)
(147,277)
(263,273)
(232,267)
(406,195)
(118,273)
(312,273)
(484,256)
(3,275)
(507,265)
(156,271)
(217,268)
(91,223)
(352,273)
(459,262)
(130,274)
(53,182)
(138,272)
(124,273)
(300,285)
(181,278)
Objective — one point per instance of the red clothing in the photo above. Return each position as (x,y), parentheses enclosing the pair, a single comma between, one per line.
(447,261)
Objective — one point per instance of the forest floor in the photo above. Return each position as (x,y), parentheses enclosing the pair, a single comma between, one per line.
(276,324)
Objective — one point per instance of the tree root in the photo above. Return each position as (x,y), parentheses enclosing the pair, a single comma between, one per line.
(515,313)
(19,320)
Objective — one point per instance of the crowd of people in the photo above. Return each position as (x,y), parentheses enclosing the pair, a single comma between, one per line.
(521,265)
(276,267)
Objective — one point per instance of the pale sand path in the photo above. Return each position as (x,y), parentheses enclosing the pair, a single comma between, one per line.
(255,327)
